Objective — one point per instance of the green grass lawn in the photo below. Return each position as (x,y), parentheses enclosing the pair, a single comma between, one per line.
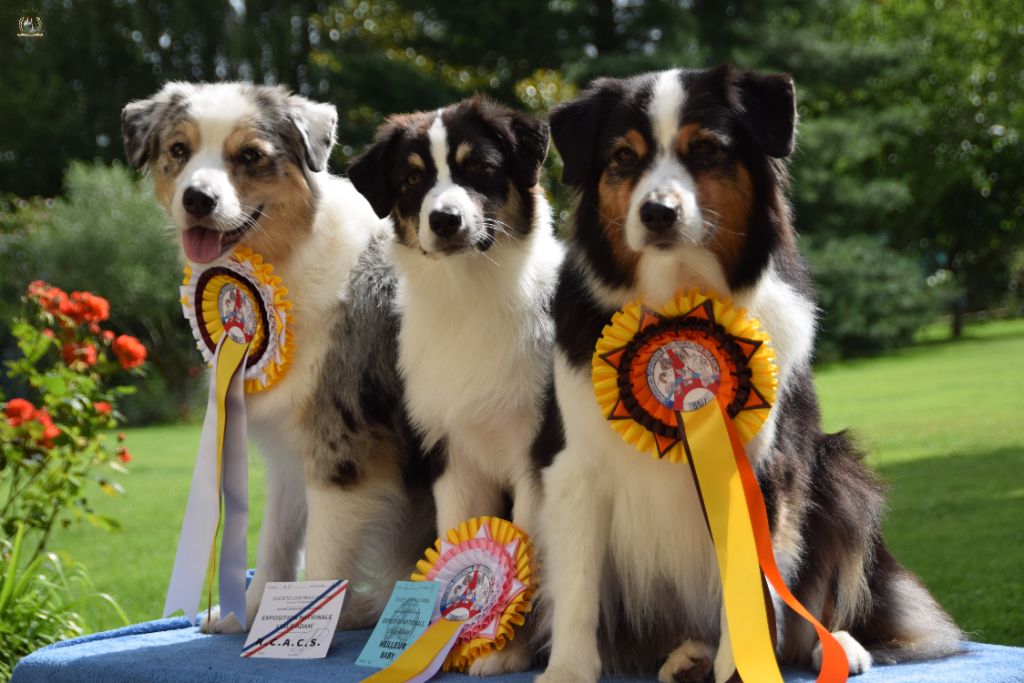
(943,421)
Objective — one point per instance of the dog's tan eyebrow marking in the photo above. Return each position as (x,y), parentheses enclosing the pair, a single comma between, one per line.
(692,132)
(462,151)
(246,134)
(634,140)
(416,160)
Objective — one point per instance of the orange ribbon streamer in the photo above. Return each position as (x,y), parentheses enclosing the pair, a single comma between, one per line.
(835,668)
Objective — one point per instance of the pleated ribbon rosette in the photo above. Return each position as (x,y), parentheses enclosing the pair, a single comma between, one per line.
(484,568)
(692,382)
(238,311)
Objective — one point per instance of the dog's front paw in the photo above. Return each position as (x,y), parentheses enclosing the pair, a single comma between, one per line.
(512,659)
(558,674)
(691,661)
(859,658)
(212,622)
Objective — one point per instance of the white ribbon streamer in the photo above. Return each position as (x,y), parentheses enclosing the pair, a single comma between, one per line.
(199,527)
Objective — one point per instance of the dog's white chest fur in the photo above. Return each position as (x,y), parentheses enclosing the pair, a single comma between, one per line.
(657,536)
(473,354)
(471,342)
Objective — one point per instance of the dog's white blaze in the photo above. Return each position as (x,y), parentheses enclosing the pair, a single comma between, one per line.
(666,109)
(217,110)
(445,194)
(438,137)
(667,177)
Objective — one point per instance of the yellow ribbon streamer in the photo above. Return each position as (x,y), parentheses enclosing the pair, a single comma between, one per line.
(227,364)
(721,489)
(432,645)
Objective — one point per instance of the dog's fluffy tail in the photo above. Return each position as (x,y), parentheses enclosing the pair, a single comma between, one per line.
(905,622)
(858,586)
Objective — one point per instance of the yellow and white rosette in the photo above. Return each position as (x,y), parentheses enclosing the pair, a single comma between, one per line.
(241,297)
(239,313)
(485,571)
(692,382)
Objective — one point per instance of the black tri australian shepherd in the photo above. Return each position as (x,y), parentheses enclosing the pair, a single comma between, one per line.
(681,177)
(477,261)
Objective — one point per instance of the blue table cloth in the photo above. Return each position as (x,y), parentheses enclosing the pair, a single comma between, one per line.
(173,650)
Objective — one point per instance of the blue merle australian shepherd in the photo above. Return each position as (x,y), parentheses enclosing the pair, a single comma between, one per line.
(239,164)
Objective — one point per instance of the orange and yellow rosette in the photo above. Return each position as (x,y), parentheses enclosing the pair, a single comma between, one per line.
(240,297)
(485,572)
(692,382)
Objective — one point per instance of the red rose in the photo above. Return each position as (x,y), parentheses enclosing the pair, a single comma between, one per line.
(18,410)
(50,431)
(108,335)
(36,288)
(87,307)
(129,351)
(102,407)
(79,352)
(51,299)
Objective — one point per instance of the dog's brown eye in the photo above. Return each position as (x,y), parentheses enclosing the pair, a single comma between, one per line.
(703,151)
(179,151)
(476,166)
(413,178)
(250,156)
(626,157)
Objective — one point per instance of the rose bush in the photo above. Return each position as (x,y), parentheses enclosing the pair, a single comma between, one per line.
(55,451)
(55,442)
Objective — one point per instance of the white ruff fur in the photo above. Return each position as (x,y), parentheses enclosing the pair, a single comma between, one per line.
(604,499)
(472,355)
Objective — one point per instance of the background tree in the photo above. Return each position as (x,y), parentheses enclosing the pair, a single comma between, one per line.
(910,112)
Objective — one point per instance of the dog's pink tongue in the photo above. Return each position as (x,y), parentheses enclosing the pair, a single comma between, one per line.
(202,245)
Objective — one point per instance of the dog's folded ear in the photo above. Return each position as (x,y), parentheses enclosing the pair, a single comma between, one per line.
(139,125)
(141,121)
(575,126)
(531,145)
(316,123)
(370,172)
(524,137)
(769,110)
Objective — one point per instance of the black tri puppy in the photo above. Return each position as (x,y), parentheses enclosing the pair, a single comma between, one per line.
(681,177)
(477,261)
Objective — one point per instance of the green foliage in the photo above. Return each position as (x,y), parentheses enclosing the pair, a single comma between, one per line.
(108,234)
(910,111)
(41,601)
(872,298)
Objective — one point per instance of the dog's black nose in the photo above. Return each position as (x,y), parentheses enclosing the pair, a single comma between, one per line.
(445,222)
(198,202)
(658,216)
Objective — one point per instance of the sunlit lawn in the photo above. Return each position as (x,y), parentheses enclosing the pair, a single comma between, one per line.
(944,423)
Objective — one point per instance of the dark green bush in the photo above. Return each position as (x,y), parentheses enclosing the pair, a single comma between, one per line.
(872,297)
(108,235)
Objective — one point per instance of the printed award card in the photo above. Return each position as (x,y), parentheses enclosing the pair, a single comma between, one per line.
(409,611)
(296,620)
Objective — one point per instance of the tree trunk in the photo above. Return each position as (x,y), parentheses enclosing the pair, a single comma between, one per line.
(958,317)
